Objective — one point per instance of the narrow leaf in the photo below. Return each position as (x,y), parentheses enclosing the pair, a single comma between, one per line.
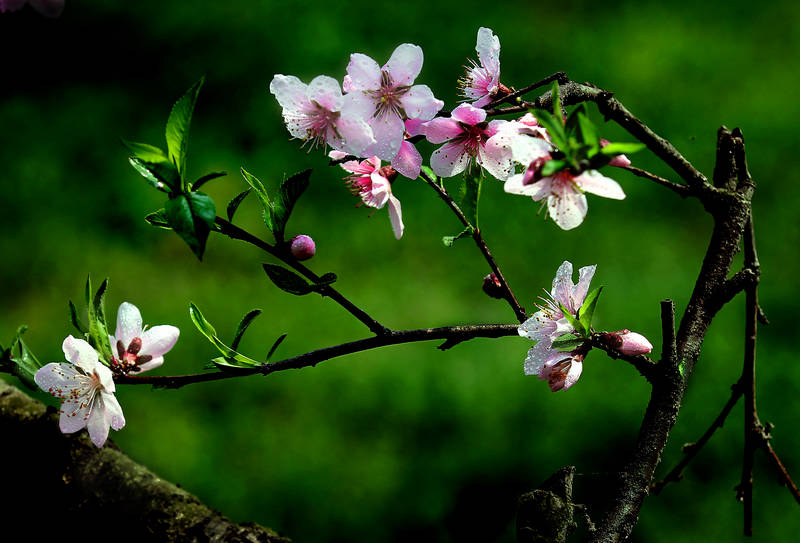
(554,127)
(450,240)
(282,207)
(25,363)
(243,324)
(163,176)
(572,320)
(76,320)
(233,205)
(206,178)
(567,342)
(232,357)
(146,152)
(158,219)
(327,279)
(287,281)
(588,132)
(468,197)
(177,131)
(622,148)
(275,346)
(586,311)
(263,196)
(98,331)
(191,218)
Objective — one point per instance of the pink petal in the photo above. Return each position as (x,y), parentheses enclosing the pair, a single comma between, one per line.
(129,323)
(357,135)
(396,216)
(405,64)
(440,130)
(573,374)
(563,286)
(158,340)
(380,193)
(537,191)
(419,102)
(495,157)
(389,131)
(363,72)
(147,366)
(568,209)
(450,159)
(538,327)
(414,127)
(408,160)
(291,93)
(488,48)
(326,92)
(467,114)
(80,353)
(585,275)
(596,183)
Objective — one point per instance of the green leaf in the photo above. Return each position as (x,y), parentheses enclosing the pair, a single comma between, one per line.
(98,331)
(588,132)
(232,358)
(552,166)
(586,311)
(429,172)
(191,218)
(450,240)
(233,205)
(243,324)
(162,176)
(206,178)
(76,320)
(275,346)
(146,152)
(281,207)
(567,342)
(177,131)
(25,363)
(469,194)
(571,125)
(288,281)
(158,219)
(622,148)
(572,320)
(554,127)
(325,280)
(263,196)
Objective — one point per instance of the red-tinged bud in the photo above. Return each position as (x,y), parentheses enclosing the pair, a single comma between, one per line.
(492,287)
(303,247)
(534,171)
(627,342)
(620,161)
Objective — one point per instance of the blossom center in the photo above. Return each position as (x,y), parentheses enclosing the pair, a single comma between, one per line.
(388,95)
(472,137)
(129,357)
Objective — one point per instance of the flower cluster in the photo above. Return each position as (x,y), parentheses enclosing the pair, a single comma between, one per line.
(86,385)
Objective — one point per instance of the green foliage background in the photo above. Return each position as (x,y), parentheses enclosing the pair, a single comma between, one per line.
(403,443)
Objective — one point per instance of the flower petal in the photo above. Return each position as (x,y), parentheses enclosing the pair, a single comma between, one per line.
(147,366)
(467,114)
(568,209)
(539,327)
(405,64)
(396,216)
(450,159)
(114,416)
(495,157)
(363,72)
(488,49)
(596,183)
(408,160)
(580,290)
(440,130)
(291,93)
(326,92)
(80,353)
(98,425)
(158,340)
(563,286)
(357,135)
(11,5)
(573,374)
(129,323)
(59,379)
(537,190)
(74,414)
(388,130)
(419,103)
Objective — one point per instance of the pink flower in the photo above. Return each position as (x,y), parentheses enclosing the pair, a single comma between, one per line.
(408,161)
(87,390)
(620,161)
(137,349)
(372,183)
(566,201)
(385,96)
(549,322)
(561,370)
(481,84)
(470,139)
(48,8)
(313,113)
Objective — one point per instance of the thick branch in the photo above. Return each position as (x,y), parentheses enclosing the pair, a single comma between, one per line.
(234,232)
(63,484)
(313,358)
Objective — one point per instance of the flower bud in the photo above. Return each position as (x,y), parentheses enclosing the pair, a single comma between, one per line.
(492,287)
(633,344)
(620,160)
(303,247)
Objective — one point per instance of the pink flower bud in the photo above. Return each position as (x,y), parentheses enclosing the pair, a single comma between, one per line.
(303,247)
(633,344)
(492,287)
(620,161)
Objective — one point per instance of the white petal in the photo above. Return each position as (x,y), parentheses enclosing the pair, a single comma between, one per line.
(538,327)
(488,49)
(537,190)
(405,64)
(585,275)
(495,157)
(525,149)
(114,415)
(105,377)
(98,425)
(388,130)
(364,73)
(419,103)
(129,323)
(80,353)
(59,379)
(537,356)
(291,93)
(158,340)
(450,159)
(357,135)
(574,372)
(147,366)
(326,92)
(74,415)
(596,183)
(396,216)
(567,209)
(562,285)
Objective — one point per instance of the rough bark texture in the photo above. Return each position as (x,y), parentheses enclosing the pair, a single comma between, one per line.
(61,486)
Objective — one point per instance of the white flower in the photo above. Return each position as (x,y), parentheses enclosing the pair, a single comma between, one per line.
(87,390)
(135,349)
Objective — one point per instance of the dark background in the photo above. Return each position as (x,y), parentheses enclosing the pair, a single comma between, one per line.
(403,443)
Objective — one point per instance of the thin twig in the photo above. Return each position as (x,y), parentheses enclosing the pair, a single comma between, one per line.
(312,358)
(643,364)
(234,232)
(782,473)
(691,450)
(561,77)
(682,190)
(508,294)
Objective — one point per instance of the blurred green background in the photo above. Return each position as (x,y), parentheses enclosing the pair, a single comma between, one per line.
(404,443)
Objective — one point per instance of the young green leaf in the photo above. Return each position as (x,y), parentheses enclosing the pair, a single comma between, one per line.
(233,205)
(325,280)
(554,127)
(98,331)
(469,194)
(191,217)
(450,240)
(76,320)
(25,363)
(281,208)
(586,311)
(588,133)
(552,166)
(243,324)
(232,358)
(567,342)
(261,191)
(622,148)
(158,219)
(428,172)
(162,176)
(275,346)
(581,331)
(177,131)
(287,281)
(206,178)
(146,152)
